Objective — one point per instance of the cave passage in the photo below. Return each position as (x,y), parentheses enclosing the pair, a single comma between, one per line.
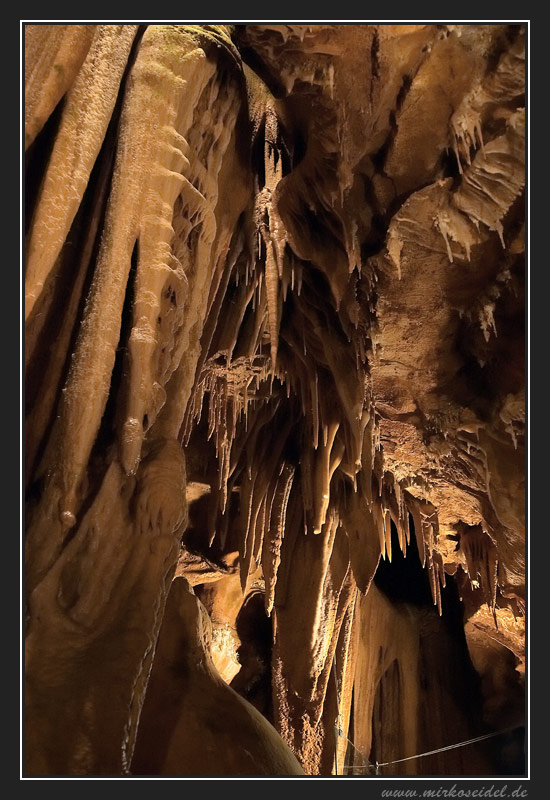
(274,339)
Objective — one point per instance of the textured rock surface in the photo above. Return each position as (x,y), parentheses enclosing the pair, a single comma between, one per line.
(192,721)
(274,342)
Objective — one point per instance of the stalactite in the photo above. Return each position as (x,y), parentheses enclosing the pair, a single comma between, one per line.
(86,115)
(327,460)
(53,57)
(273,538)
(481,558)
(359,521)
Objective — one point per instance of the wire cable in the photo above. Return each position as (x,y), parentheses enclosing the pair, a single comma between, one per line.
(429,752)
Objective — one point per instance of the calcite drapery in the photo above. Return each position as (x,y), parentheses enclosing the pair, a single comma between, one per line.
(274,277)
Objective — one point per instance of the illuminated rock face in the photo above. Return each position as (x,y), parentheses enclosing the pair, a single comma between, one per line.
(274,341)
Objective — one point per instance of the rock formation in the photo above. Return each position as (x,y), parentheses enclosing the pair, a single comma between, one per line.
(274,458)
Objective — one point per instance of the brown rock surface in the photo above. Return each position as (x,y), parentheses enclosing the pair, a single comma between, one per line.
(192,722)
(274,343)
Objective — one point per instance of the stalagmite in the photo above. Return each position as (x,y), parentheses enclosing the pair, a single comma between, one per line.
(95,616)
(179,738)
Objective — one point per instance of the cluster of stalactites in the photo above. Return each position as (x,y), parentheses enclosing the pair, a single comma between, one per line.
(254,424)
(312,388)
(481,561)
